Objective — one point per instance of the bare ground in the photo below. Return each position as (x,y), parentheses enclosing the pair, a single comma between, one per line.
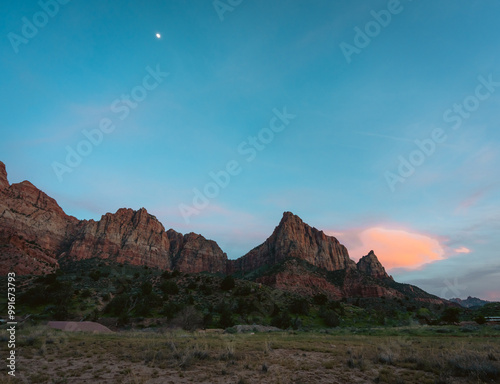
(51,356)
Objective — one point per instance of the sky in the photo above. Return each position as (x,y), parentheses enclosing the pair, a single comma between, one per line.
(376,121)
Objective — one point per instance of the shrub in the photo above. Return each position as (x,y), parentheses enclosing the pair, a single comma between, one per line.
(147,303)
(320,299)
(208,320)
(192,285)
(282,320)
(480,320)
(226,318)
(95,274)
(299,306)
(117,306)
(61,313)
(244,290)
(146,288)
(206,290)
(228,283)
(330,318)
(166,275)
(86,293)
(169,287)
(189,319)
(176,273)
(171,308)
(474,365)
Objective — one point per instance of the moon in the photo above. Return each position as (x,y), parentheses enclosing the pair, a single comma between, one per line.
(158,36)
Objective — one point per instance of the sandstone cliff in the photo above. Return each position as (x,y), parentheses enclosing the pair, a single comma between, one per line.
(127,236)
(371,266)
(292,238)
(35,234)
(193,253)
(33,228)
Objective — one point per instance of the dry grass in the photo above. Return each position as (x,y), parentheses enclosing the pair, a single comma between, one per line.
(383,356)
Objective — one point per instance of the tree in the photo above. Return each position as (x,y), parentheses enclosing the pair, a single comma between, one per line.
(451,315)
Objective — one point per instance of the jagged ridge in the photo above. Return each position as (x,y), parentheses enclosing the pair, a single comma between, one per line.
(35,234)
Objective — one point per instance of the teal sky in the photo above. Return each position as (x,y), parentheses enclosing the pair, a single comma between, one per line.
(432,66)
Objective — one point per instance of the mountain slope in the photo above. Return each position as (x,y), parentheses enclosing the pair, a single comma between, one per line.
(36,234)
(292,238)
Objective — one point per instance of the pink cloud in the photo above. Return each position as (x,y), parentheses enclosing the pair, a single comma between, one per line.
(462,250)
(395,248)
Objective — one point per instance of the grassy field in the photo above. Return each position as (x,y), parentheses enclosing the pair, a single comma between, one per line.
(342,355)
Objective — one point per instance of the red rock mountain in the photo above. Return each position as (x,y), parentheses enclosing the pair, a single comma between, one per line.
(292,238)
(36,235)
(370,265)
(33,228)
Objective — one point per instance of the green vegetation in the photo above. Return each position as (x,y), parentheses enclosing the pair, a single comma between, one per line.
(134,297)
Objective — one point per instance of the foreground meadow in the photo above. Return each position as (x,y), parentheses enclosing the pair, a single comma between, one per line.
(378,355)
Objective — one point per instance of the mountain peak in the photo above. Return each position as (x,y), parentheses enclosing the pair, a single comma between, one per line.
(4,183)
(289,216)
(293,238)
(371,266)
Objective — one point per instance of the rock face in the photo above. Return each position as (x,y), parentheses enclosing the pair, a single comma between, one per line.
(127,236)
(292,238)
(33,228)
(4,183)
(193,253)
(370,265)
(295,278)
(35,234)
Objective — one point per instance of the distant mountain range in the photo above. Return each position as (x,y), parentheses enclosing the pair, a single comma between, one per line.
(36,237)
(470,302)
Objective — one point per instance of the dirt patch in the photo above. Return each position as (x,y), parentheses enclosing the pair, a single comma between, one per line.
(81,326)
